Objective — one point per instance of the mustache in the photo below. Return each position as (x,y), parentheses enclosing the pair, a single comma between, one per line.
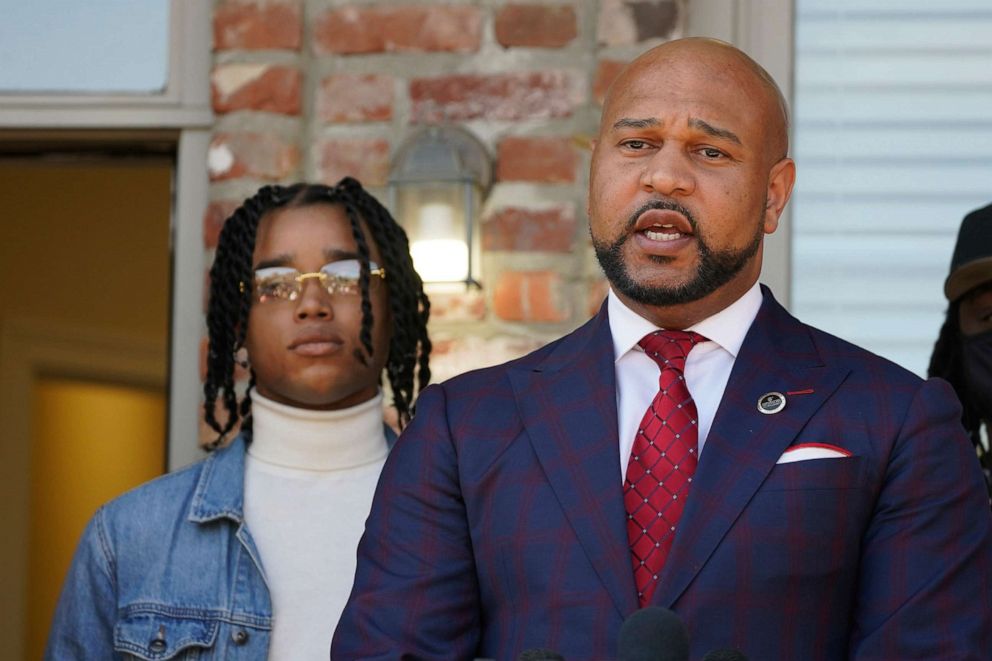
(662,205)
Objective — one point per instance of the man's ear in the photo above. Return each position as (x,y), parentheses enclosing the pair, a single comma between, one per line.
(780,181)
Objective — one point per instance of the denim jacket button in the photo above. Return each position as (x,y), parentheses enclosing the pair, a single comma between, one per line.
(240,637)
(157,644)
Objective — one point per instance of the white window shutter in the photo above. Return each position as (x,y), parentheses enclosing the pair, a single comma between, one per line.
(893,140)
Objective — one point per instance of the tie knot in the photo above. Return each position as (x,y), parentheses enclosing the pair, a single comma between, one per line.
(669,348)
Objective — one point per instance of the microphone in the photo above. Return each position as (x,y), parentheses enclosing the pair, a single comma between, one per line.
(653,634)
(725,655)
(540,655)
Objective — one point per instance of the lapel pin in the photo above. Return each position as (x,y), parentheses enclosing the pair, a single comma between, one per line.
(771,402)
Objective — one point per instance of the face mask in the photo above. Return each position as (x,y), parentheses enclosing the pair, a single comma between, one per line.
(977,351)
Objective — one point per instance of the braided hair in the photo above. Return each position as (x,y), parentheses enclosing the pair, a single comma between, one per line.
(230,297)
(947,362)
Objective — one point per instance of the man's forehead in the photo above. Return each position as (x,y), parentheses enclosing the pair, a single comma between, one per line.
(666,107)
(716,84)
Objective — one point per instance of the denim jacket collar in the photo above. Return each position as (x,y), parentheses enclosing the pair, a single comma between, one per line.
(220,491)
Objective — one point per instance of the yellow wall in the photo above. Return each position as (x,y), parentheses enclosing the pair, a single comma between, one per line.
(87,243)
(84,250)
(91,443)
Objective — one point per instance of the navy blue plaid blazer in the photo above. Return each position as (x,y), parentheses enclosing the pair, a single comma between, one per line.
(499,523)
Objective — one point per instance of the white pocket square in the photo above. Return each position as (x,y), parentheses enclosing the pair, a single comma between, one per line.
(807,451)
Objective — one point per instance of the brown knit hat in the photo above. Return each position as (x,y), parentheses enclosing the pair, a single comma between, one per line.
(972,262)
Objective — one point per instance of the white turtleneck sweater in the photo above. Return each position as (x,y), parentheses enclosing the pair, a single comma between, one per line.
(309,480)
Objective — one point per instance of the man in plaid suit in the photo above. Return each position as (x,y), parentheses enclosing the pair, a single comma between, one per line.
(836,510)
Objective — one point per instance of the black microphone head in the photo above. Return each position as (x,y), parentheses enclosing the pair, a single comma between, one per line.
(725,655)
(653,634)
(540,655)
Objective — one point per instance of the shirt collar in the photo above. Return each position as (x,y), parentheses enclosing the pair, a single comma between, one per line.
(727,328)
(318,441)
(221,487)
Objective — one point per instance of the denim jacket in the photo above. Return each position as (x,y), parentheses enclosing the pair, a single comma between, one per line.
(169,571)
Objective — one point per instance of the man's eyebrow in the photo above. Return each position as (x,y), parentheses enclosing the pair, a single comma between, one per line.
(714,131)
(278,260)
(630,123)
(337,254)
(331,255)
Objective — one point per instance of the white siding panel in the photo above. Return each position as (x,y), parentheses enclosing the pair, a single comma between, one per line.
(910,33)
(895,144)
(924,9)
(923,108)
(895,178)
(880,70)
(893,140)
(934,215)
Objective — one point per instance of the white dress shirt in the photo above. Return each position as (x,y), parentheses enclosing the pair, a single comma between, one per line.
(707,367)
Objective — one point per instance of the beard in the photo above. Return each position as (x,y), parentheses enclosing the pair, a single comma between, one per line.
(716,267)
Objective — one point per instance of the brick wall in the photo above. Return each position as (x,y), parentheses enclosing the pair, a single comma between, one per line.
(317,89)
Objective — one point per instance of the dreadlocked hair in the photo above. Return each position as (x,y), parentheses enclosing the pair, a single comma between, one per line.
(947,362)
(231,278)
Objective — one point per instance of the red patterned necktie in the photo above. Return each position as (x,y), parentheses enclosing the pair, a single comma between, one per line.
(662,460)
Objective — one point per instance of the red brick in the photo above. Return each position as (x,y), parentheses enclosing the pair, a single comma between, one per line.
(254,155)
(516,228)
(355,98)
(365,159)
(384,29)
(213,220)
(542,159)
(256,87)
(509,96)
(538,26)
(258,24)
(462,306)
(625,22)
(533,296)
(606,73)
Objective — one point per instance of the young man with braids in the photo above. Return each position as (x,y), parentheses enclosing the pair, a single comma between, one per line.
(251,552)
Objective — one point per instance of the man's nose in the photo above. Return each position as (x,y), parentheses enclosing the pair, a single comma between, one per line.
(669,172)
(314,301)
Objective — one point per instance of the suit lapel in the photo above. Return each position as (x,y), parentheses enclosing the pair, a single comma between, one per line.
(568,408)
(743,444)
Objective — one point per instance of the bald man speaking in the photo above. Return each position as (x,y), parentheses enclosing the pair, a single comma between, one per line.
(693,446)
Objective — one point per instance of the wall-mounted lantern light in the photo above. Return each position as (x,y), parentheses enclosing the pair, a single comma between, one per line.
(437,183)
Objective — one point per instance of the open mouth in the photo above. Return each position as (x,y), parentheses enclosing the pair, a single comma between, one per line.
(663,233)
(663,225)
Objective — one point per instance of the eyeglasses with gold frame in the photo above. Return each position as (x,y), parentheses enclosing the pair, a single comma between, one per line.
(279,283)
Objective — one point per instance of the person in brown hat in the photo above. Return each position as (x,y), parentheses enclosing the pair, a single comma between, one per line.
(963,352)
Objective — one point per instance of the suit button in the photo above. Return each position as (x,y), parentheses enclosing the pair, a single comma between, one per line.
(240,637)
